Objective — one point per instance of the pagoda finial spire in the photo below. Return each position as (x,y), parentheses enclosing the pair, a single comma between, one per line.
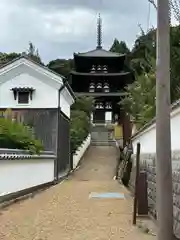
(99,32)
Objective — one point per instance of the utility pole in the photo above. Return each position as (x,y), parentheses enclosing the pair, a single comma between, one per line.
(163,133)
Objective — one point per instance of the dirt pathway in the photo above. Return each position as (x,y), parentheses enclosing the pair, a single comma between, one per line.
(65,211)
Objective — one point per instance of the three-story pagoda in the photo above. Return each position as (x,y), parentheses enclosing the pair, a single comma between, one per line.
(103,75)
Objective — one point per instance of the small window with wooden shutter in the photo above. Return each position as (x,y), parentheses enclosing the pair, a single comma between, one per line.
(23,97)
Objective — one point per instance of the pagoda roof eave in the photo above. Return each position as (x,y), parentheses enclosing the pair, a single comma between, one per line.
(99,53)
(100,74)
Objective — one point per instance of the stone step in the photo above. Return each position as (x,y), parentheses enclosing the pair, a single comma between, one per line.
(101,136)
(103,140)
(103,143)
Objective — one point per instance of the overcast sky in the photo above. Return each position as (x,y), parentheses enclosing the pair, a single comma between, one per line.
(60,27)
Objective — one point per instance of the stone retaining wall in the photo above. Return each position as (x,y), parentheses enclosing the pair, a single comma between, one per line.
(147,163)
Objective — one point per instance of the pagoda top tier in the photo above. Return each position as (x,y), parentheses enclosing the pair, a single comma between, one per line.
(99,52)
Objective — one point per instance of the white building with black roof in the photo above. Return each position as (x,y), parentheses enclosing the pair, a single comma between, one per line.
(42,99)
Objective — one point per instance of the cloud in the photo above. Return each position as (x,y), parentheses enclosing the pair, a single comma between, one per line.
(60,27)
(103,5)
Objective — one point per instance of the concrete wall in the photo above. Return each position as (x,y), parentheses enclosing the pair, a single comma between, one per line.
(20,171)
(147,136)
(80,151)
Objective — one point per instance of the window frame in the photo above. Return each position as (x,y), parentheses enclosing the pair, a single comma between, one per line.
(23,103)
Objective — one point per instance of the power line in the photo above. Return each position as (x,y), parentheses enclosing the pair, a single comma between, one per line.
(153,3)
(148,16)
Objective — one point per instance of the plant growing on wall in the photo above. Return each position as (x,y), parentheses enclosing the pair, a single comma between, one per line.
(15,135)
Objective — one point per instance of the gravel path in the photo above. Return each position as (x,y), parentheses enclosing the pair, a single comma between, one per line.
(65,211)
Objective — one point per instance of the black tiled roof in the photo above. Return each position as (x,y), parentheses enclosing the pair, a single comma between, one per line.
(99,53)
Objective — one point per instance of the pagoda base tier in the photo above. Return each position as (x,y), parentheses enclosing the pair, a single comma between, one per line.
(104,116)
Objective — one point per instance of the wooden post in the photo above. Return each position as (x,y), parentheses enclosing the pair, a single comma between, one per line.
(163,134)
(142,194)
(136,183)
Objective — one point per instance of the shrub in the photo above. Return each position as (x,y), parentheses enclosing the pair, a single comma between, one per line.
(84,104)
(80,121)
(18,136)
(79,128)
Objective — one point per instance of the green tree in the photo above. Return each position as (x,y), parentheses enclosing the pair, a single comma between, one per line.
(175,63)
(84,104)
(119,47)
(33,53)
(8,57)
(140,101)
(80,121)
(61,66)
(175,6)
(143,52)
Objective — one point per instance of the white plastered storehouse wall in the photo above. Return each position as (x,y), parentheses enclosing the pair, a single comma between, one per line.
(147,136)
(46,84)
(23,73)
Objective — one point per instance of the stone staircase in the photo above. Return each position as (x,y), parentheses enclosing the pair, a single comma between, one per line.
(101,135)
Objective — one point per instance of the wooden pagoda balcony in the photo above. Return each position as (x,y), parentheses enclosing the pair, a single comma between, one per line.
(109,74)
(99,94)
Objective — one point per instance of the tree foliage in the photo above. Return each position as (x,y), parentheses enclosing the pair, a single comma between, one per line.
(8,57)
(143,52)
(175,63)
(80,121)
(15,135)
(33,53)
(61,66)
(84,104)
(119,47)
(140,103)
(175,6)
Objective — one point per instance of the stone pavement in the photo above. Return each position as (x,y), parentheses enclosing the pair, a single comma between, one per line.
(65,211)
